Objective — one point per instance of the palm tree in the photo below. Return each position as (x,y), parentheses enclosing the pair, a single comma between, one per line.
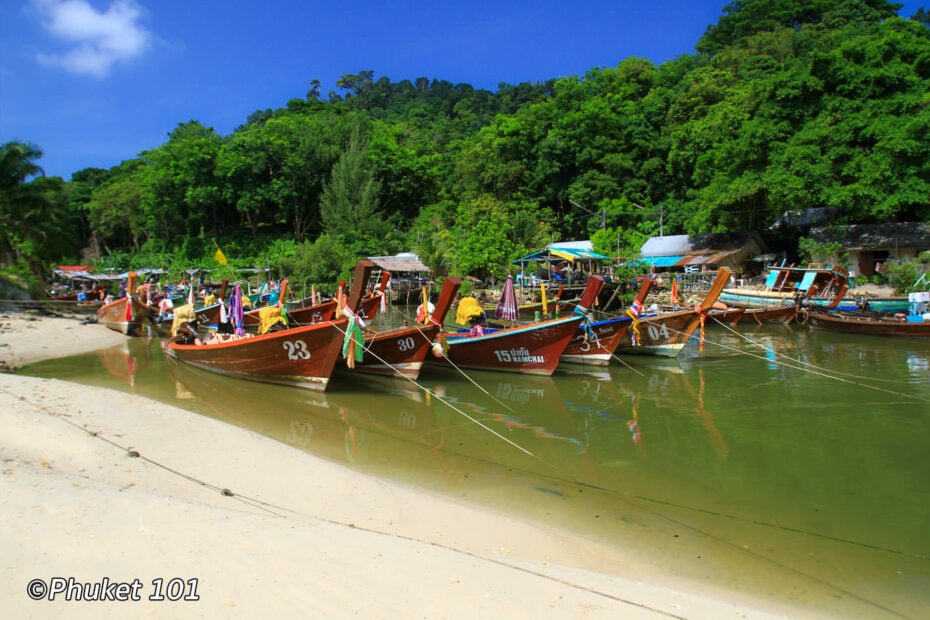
(32,212)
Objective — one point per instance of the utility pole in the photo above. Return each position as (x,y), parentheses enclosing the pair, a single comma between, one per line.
(601,212)
(661,214)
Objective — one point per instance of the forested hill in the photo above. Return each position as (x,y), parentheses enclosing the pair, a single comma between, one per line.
(785,105)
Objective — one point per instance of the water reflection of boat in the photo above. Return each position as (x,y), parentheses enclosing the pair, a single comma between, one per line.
(360,426)
(119,362)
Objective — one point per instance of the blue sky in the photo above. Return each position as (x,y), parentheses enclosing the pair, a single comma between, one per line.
(95,82)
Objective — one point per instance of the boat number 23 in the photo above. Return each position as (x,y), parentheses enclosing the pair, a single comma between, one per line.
(297,350)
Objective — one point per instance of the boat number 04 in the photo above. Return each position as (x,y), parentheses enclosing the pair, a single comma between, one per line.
(658,333)
(297,350)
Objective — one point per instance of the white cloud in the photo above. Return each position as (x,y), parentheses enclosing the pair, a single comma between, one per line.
(98,40)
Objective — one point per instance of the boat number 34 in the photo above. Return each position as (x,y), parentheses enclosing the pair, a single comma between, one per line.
(297,350)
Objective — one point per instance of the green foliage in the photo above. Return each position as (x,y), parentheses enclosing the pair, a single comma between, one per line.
(36,227)
(350,200)
(830,252)
(323,263)
(905,274)
(483,241)
(788,105)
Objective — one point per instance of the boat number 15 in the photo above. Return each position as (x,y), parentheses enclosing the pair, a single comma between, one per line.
(297,350)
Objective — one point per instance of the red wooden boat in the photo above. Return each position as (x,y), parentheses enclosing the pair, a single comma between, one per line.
(125,315)
(302,357)
(726,316)
(915,324)
(595,343)
(783,315)
(324,311)
(666,334)
(208,318)
(533,348)
(401,351)
(872,325)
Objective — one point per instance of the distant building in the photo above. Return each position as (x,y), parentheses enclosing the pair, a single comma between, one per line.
(869,246)
(694,253)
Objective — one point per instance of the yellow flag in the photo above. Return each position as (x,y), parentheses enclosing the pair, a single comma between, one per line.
(220,257)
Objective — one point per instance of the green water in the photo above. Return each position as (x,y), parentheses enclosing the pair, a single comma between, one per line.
(791,466)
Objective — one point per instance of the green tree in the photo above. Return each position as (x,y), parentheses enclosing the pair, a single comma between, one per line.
(181,194)
(350,199)
(483,245)
(115,210)
(35,226)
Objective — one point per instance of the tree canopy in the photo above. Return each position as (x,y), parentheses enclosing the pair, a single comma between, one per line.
(785,105)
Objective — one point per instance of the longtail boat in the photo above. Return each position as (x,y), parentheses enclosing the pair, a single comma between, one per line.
(303,356)
(666,334)
(788,285)
(916,323)
(594,343)
(125,315)
(532,348)
(779,315)
(401,351)
(325,310)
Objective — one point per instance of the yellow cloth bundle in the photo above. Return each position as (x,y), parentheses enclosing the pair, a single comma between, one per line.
(468,310)
(268,317)
(182,314)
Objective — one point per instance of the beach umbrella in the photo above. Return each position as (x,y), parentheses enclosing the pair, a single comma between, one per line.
(507,306)
(235,309)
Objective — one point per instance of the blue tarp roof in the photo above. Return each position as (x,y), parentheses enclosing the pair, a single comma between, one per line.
(662,261)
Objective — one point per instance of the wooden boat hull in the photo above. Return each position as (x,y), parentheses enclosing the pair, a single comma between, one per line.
(783,315)
(117,315)
(301,357)
(868,325)
(598,347)
(398,352)
(208,319)
(730,316)
(530,349)
(664,335)
(296,316)
(774,299)
(886,305)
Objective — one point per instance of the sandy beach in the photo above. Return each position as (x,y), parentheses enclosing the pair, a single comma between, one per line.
(167,513)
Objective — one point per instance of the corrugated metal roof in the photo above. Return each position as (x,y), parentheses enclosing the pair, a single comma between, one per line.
(705,259)
(400,264)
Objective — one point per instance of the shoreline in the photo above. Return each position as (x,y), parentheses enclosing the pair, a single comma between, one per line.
(103,484)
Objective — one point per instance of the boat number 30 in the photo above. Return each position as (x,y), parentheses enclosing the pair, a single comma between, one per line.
(297,350)
(406,344)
